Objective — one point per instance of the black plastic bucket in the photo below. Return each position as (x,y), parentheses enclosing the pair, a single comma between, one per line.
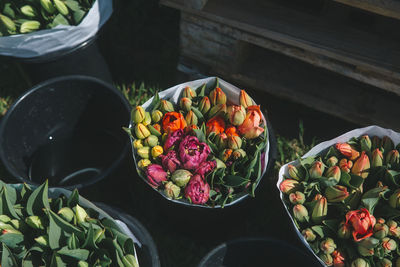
(84,59)
(67,130)
(256,251)
(147,249)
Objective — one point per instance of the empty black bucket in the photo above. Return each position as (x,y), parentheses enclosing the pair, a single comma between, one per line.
(256,251)
(67,130)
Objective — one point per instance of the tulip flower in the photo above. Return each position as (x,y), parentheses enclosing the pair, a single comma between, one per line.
(66,213)
(250,127)
(181,177)
(166,106)
(334,172)
(236,114)
(332,161)
(204,105)
(225,154)
(171,190)
(35,222)
(336,193)
(327,245)
(173,121)
(185,103)
(346,150)
(344,231)
(362,223)
(156,175)
(361,166)
(238,153)
(394,230)
(326,258)
(141,131)
(316,169)
(308,234)
(143,163)
(197,191)
(293,172)
(147,118)
(244,99)
(156,115)
(359,262)
(192,152)
(217,110)
(221,140)
(206,167)
(320,210)
(234,142)
(215,125)
(157,127)
(189,92)
(364,251)
(365,142)
(375,142)
(173,139)
(394,199)
(144,152)
(300,213)
(387,144)
(297,198)
(392,157)
(151,141)
(388,244)
(231,131)
(170,161)
(381,230)
(385,263)
(338,259)
(156,151)
(217,96)
(345,165)
(137,143)
(377,158)
(191,118)
(288,186)
(138,114)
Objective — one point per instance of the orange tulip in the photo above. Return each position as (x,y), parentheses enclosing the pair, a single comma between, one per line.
(173,121)
(250,127)
(231,131)
(361,166)
(255,108)
(216,125)
(347,150)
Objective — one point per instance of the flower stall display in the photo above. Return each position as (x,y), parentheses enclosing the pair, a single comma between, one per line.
(203,143)
(57,227)
(343,197)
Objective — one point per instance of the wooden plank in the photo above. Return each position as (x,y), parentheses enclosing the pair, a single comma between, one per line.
(388,8)
(196,4)
(364,52)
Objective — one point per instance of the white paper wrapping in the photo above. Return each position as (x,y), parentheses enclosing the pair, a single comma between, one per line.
(60,38)
(370,130)
(173,94)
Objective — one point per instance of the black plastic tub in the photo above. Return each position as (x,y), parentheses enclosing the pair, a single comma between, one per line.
(67,130)
(146,250)
(257,251)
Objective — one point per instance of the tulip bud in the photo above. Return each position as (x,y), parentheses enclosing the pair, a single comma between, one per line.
(327,245)
(394,199)
(181,177)
(225,154)
(238,153)
(4,218)
(320,210)
(156,115)
(388,244)
(387,144)
(189,93)
(346,150)
(217,110)
(29,26)
(366,252)
(288,186)
(8,23)
(361,166)
(245,99)
(345,165)
(66,213)
(185,103)
(392,225)
(166,106)
(221,140)
(83,264)
(326,258)
(308,234)
(144,152)
(156,151)
(80,214)
(394,231)
(369,242)
(143,163)
(204,105)
(236,114)
(380,230)
(332,161)
(334,172)
(365,142)
(28,11)
(297,198)
(344,231)
(217,96)
(377,158)
(48,6)
(147,118)
(171,190)
(384,263)
(34,222)
(61,7)
(293,172)
(300,213)
(42,240)
(359,262)
(137,144)
(141,131)
(392,157)
(191,118)
(316,169)
(234,142)
(336,193)
(151,141)
(220,163)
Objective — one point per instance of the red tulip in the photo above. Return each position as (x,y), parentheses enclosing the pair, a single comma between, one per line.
(362,223)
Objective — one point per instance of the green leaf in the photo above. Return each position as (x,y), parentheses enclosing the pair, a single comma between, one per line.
(216,84)
(8,11)
(258,174)
(73,199)
(235,181)
(156,102)
(57,227)
(5,204)
(78,15)
(200,135)
(371,198)
(11,240)
(198,114)
(201,90)
(327,182)
(73,242)
(78,254)
(73,5)
(38,200)
(350,180)
(56,261)
(7,258)
(252,164)
(59,20)
(90,241)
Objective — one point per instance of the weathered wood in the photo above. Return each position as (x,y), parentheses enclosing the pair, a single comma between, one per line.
(196,4)
(388,8)
(357,54)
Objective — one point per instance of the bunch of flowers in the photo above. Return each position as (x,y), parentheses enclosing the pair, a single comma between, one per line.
(203,149)
(345,202)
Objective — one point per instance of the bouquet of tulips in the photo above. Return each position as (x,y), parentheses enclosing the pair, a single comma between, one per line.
(204,145)
(344,198)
